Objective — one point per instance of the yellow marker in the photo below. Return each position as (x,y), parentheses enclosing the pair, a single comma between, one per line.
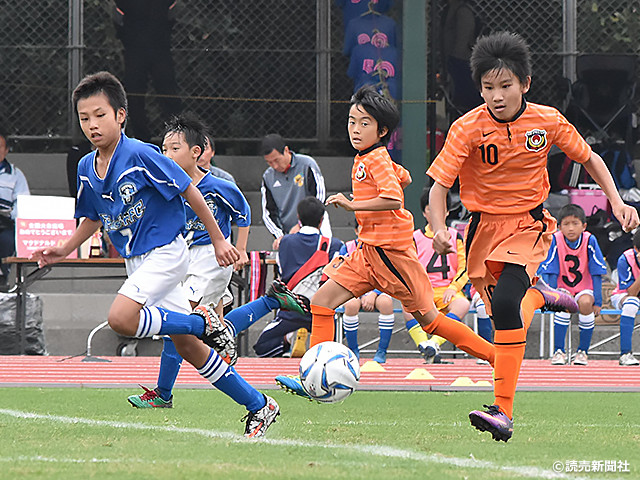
(463,382)
(483,383)
(419,374)
(372,366)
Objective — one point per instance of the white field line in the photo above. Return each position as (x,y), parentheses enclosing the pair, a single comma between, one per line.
(371,450)
(40,458)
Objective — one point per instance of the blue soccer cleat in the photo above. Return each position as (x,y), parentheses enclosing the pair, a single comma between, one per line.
(292,384)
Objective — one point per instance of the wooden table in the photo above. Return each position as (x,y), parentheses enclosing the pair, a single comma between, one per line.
(28,272)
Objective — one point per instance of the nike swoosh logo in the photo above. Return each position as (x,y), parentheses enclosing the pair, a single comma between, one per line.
(556,296)
(488,133)
(512,253)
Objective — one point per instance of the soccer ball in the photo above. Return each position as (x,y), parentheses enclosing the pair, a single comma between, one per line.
(329,372)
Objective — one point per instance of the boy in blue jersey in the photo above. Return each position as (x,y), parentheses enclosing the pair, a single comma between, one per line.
(575,264)
(626,298)
(185,139)
(134,191)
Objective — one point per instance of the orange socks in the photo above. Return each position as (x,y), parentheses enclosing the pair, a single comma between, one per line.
(462,336)
(510,346)
(322,325)
(531,301)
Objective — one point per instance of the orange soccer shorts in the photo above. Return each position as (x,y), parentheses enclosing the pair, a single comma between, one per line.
(493,240)
(397,273)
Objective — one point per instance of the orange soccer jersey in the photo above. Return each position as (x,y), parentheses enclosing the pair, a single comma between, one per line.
(373,175)
(503,165)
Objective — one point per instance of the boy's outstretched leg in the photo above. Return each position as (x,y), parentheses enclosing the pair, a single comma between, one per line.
(457,333)
(261,409)
(277,296)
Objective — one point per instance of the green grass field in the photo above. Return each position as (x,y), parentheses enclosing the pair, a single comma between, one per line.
(94,433)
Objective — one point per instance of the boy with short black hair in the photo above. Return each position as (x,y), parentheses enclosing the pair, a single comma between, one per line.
(625,298)
(386,257)
(134,191)
(575,264)
(184,140)
(499,152)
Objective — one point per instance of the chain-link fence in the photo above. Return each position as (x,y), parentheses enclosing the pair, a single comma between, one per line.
(253,67)
(34,67)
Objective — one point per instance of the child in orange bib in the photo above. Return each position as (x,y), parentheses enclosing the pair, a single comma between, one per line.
(386,257)
(499,152)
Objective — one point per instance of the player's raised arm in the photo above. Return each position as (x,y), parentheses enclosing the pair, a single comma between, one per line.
(438,208)
(50,255)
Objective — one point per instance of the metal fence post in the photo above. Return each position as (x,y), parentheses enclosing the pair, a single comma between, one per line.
(414,105)
(323,71)
(569,39)
(75,57)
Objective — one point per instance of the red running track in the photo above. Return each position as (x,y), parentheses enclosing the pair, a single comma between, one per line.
(599,375)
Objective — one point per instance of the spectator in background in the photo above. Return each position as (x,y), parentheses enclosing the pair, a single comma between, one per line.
(290,178)
(301,259)
(144,26)
(459,31)
(574,263)
(206,161)
(625,298)
(12,184)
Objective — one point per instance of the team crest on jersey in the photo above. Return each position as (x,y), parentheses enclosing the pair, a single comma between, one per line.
(536,140)
(361,173)
(212,206)
(298,180)
(127,191)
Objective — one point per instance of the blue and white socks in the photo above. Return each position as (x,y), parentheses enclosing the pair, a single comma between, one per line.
(159,321)
(561,321)
(629,309)
(241,318)
(350,326)
(227,380)
(586,324)
(170,362)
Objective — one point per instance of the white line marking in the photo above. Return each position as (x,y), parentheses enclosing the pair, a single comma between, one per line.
(372,450)
(40,458)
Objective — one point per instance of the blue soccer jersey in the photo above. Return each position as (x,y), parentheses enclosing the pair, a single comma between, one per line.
(138,200)
(226,202)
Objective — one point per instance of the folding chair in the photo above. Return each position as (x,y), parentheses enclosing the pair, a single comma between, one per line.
(601,100)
